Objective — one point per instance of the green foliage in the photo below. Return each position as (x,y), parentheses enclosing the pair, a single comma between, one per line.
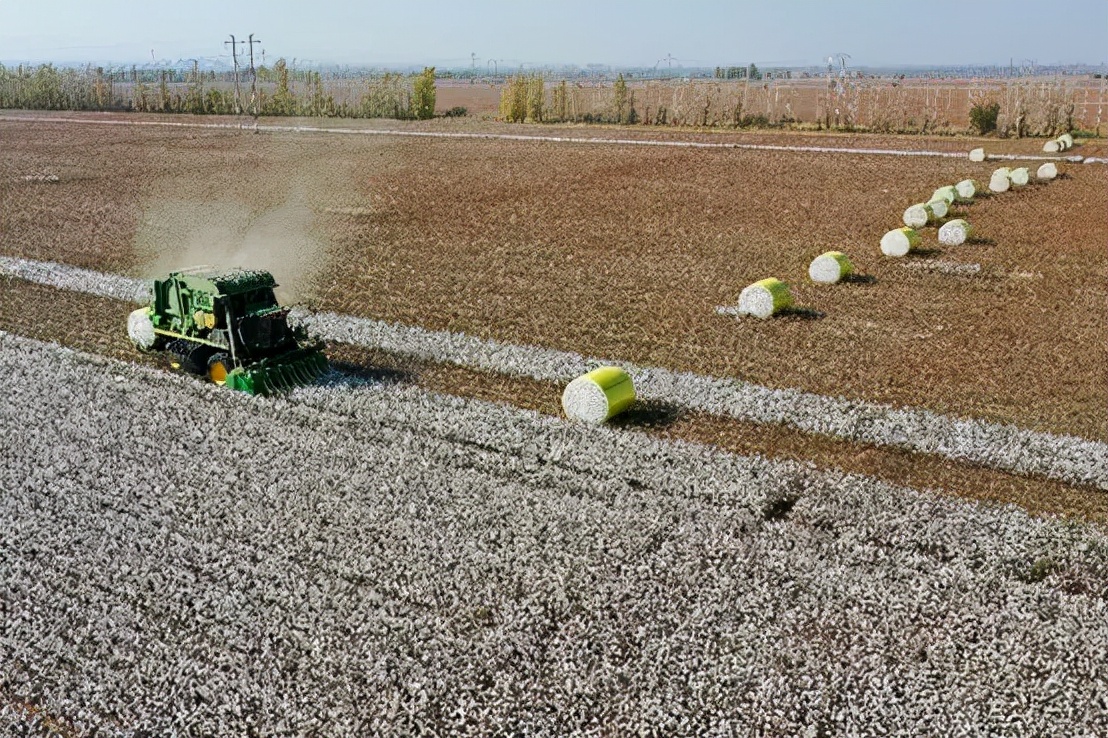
(983,115)
(619,90)
(560,107)
(458,111)
(386,97)
(731,72)
(424,94)
(536,98)
(1040,570)
(282,101)
(513,100)
(752,72)
(320,104)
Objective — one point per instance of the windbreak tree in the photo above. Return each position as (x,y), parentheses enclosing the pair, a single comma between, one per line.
(620,91)
(424,90)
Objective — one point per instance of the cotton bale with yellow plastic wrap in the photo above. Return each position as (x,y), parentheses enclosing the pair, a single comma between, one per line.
(947,194)
(764,298)
(919,215)
(899,241)
(966,190)
(955,232)
(599,395)
(939,208)
(830,267)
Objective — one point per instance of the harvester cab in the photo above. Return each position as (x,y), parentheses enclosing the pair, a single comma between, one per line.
(227,325)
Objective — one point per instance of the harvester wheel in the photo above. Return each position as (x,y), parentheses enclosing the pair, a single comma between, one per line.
(192,357)
(219,366)
(140,329)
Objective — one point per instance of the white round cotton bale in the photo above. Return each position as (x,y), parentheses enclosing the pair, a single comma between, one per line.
(1052,146)
(967,189)
(977,155)
(955,232)
(599,395)
(1047,171)
(1019,176)
(899,241)
(999,182)
(140,329)
(830,267)
(918,215)
(1067,140)
(764,298)
(939,208)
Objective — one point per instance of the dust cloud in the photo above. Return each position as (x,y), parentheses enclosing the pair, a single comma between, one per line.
(177,234)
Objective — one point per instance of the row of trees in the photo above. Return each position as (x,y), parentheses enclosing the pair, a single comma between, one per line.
(523,99)
(1009,109)
(750,72)
(278,92)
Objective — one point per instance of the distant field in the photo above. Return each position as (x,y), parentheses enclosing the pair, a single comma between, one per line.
(914,105)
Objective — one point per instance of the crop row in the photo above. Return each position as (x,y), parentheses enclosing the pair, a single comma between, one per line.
(1068,459)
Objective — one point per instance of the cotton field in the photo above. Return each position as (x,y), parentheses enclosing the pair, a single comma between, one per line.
(362,557)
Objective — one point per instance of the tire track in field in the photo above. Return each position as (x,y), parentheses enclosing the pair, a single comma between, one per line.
(273,128)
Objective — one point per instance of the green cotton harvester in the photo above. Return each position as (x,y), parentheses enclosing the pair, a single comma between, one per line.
(228,326)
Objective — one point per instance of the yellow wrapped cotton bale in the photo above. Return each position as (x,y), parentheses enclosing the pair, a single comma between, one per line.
(967,189)
(919,215)
(947,194)
(599,395)
(955,232)
(764,298)
(899,242)
(939,208)
(830,267)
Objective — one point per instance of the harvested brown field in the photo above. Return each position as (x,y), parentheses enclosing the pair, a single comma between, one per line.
(610,250)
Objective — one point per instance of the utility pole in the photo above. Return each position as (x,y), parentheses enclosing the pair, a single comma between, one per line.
(235,57)
(253,78)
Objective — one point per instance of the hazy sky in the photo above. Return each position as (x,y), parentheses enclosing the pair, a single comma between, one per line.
(696,32)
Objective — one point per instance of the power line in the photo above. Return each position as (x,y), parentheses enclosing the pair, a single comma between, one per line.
(253,78)
(235,57)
